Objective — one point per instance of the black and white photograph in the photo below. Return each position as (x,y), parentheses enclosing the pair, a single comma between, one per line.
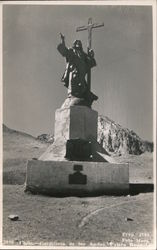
(78,126)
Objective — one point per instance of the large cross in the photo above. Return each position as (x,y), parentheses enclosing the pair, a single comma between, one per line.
(89,28)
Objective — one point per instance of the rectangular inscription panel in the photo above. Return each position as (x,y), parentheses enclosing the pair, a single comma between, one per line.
(77,177)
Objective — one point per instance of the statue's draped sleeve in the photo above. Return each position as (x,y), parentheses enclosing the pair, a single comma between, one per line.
(63,50)
(90,61)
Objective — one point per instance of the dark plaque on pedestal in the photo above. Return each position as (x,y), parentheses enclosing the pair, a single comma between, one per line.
(78,149)
(77,177)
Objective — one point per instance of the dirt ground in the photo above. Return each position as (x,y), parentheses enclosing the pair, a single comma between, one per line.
(95,221)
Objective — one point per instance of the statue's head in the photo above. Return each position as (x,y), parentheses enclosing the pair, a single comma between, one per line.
(77,45)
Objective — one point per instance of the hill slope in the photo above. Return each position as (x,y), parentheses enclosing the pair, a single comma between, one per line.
(18,147)
(116,139)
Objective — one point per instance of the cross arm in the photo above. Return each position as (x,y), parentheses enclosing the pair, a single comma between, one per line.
(81,28)
(96,25)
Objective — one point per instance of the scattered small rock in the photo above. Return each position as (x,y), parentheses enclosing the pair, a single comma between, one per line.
(84,203)
(46,138)
(13,217)
(128,219)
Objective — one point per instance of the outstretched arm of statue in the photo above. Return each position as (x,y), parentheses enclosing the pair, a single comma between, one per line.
(62,38)
(63,50)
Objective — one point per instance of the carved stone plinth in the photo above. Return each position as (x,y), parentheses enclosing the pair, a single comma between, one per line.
(75,164)
(76,122)
(75,128)
(76,178)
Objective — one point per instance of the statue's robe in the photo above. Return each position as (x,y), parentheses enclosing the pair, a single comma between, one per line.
(78,64)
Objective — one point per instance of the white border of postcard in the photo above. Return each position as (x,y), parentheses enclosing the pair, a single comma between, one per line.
(100,2)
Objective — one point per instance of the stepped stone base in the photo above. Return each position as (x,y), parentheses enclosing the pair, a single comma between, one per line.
(76,137)
(58,151)
(67,178)
(76,164)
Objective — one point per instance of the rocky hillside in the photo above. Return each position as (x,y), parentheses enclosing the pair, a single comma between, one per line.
(46,138)
(116,139)
(18,148)
(10,131)
(18,144)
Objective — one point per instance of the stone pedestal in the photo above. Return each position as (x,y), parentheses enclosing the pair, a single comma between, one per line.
(76,178)
(74,125)
(76,122)
(75,164)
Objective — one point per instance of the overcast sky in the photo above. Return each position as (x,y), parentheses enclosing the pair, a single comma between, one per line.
(32,66)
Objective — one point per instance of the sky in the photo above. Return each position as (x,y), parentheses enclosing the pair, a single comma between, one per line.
(32,66)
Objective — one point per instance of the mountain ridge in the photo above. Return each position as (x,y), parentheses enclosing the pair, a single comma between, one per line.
(114,138)
(119,140)
(6,129)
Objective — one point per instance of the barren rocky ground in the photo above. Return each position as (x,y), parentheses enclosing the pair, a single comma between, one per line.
(104,220)
(88,221)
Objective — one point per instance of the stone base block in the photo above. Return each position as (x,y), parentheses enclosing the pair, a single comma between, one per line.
(76,122)
(66,178)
